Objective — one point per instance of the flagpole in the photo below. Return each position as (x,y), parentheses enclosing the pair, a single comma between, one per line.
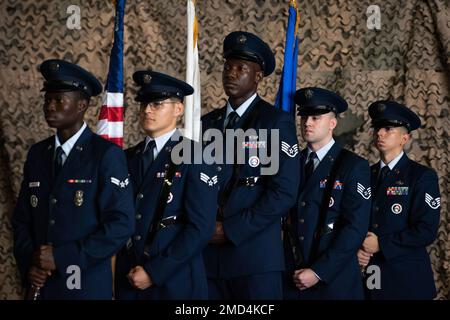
(110,119)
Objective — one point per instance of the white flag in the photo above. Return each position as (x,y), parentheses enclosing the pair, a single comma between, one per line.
(193,102)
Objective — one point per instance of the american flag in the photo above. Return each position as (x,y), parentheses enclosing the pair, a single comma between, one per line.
(110,119)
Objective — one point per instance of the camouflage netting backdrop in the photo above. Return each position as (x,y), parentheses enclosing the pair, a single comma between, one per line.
(408,59)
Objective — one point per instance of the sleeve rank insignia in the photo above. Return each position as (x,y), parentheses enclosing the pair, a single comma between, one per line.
(433,203)
(120,183)
(365,193)
(290,151)
(206,179)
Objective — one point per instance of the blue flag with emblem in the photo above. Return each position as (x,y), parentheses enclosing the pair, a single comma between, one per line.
(285,95)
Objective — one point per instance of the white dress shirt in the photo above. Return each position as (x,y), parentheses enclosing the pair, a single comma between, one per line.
(321,153)
(160,142)
(393,162)
(241,109)
(70,143)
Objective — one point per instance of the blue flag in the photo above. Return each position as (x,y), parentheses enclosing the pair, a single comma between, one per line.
(285,95)
(115,74)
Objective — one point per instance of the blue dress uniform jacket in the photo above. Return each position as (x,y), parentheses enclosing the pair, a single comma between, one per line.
(174,263)
(86,214)
(345,226)
(405,217)
(252,215)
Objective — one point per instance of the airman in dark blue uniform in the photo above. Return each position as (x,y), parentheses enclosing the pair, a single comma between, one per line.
(405,211)
(245,259)
(75,207)
(175,201)
(331,217)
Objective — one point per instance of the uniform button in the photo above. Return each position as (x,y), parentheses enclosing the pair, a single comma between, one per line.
(53,201)
(302,204)
(219,168)
(138,216)
(302,220)
(137,237)
(375,225)
(302,238)
(140,196)
(52,222)
(377,208)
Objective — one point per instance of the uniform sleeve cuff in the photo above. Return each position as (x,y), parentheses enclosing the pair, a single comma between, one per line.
(316,275)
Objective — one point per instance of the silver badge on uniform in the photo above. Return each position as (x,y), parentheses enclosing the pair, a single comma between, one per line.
(170,197)
(309,94)
(396,208)
(253,161)
(331,202)
(54,66)
(78,199)
(34,201)
(242,39)
(381,107)
(146,78)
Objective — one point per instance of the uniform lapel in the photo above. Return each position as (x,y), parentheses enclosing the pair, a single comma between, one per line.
(303,157)
(374,176)
(48,154)
(401,165)
(215,122)
(134,165)
(219,119)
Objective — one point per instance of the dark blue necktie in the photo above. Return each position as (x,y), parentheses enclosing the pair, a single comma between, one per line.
(382,175)
(147,157)
(233,117)
(58,162)
(309,167)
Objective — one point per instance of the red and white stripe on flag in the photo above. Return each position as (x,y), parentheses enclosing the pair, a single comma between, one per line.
(110,119)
